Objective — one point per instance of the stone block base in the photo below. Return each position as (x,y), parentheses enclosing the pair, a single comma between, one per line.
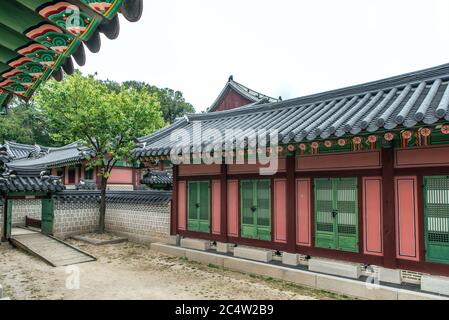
(253,254)
(195,244)
(439,285)
(337,268)
(389,275)
(223,247)
(290,259)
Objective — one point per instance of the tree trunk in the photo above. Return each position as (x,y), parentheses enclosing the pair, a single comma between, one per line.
(104,184)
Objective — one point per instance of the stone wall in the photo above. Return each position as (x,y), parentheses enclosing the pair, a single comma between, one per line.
(142,217)
(1,219)
(139,222)
(75,216)
(21,208)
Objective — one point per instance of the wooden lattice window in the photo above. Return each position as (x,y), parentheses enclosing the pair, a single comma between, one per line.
(256,209)
(436,205)
(336,214)
(199,205)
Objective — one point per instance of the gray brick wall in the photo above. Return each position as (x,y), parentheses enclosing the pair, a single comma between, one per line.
(75,217)
(1,219)
(139,222)
(25,207)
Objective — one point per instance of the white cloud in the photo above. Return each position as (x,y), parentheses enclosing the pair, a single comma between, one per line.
(285,47)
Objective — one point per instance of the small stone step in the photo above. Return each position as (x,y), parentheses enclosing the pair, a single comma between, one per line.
(223,247)
(337,268)
(195,244)
(390,275)
(433,284)
(253,254)
(290,259)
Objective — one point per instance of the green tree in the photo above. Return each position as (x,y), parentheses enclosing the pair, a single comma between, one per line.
(24,124)
(108,121)
(173,103)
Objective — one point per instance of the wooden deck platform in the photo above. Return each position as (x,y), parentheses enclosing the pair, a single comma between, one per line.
(55,252)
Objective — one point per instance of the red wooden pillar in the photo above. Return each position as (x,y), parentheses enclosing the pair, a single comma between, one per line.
(136,177)
(389,219)
(133,179)
(291,204)
(224,203)
(174,203)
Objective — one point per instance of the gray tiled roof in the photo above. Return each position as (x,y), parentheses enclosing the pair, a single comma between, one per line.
(246,92)
(29,182)
(153,178)
(52,157)
(150,196)
(18,150)
(406,101)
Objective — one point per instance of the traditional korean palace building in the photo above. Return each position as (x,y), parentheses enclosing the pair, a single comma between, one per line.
(70,163)
(54,191)
(363,173)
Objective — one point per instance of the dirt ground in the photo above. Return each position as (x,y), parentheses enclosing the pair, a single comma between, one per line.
(130,271)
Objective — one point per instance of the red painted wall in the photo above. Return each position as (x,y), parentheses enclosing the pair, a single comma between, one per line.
(191,170)
(216,207)
(233,208)
(407,223)
(340,161)
(372,215)
(121,176)
(182,205)
(231,100)
(422,157)
(303,212)
(280,210)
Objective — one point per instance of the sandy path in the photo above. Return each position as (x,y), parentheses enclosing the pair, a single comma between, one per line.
(130,271)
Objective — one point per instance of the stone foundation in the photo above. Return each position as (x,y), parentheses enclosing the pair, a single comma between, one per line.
(255,254)
(333,267)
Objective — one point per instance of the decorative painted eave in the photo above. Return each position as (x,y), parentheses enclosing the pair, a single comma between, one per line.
(39,38)
(413,106)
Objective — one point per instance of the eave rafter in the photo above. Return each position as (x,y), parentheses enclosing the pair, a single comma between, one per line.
(39,38)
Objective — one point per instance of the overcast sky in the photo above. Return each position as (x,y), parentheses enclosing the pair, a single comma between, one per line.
(286,48)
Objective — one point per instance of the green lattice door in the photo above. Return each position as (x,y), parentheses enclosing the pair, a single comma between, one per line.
(336,214)
(8,222)
(256,209)
(47,216)
(436,206)
(199,206)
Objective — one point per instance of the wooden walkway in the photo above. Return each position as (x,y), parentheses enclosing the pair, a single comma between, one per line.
(53,251)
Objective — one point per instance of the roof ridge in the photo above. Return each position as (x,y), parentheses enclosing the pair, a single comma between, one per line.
(245,91)
(19,145)
(254,92)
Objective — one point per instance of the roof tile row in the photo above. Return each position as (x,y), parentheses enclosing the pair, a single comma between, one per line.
(415,99)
